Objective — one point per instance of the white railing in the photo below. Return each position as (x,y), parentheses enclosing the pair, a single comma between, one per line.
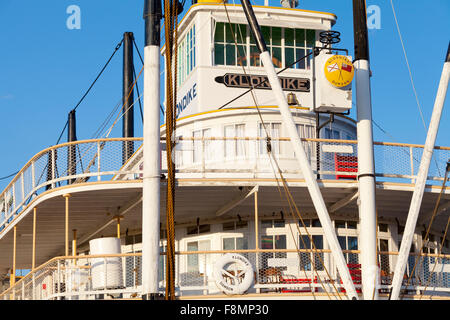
(284,271)
(69,163)
(218,157)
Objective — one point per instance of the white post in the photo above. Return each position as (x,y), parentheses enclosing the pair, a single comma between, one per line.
(366,178)
(421,180)
(366,163)
(308,174)
(151,150)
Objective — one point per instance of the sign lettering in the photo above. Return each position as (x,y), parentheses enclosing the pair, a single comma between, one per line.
(234,80)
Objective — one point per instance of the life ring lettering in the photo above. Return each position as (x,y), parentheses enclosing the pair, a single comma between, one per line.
(237,281)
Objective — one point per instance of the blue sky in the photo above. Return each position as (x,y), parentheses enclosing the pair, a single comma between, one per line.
(45,68)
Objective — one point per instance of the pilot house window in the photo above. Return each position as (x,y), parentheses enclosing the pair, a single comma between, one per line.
(234,46)
(186,56)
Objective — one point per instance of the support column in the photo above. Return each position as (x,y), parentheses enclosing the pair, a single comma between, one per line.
(74,242)
(12,280)
(257,238)
(256,222)
(152,153)
(33,262)
(66,224)
(118,227)
(366,163)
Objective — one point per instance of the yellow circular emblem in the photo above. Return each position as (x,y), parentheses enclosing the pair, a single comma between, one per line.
(339,71)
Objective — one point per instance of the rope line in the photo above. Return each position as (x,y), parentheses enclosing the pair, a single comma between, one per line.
(407,64)
(171,39)
(101,72)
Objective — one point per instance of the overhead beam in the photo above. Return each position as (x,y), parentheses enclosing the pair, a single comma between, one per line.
(235,202)
(343,202)
(121,212)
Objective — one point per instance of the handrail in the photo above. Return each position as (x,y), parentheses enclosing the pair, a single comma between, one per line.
(42,152)
(20,190)
(63,263)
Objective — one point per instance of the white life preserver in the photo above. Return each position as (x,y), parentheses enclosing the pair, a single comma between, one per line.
(241,282)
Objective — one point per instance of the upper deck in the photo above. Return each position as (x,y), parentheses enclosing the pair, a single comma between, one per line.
(217,53)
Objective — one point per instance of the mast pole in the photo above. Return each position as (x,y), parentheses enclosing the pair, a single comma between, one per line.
(366,163)
(308,174)
(71,150)
(128,96)
(421,180)
(151,149)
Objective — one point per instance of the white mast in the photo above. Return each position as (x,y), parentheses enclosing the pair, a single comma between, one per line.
(308,174)
(366,163)
(421,180)
(151,152)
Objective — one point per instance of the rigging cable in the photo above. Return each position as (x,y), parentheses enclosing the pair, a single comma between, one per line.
(411,77)
(407,64)
(98,76)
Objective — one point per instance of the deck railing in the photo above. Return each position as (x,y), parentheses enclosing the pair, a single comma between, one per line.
(244,157)
(306,272)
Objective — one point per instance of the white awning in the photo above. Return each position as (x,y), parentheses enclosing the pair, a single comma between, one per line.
(271,21)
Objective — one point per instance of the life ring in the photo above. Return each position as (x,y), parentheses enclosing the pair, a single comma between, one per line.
(227,281)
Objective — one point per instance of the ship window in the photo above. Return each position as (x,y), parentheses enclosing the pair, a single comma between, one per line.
(316,223)
(235,243)
(273,130)
(339,224)
(332,134)
(383,227)
(197,262)
(186,56)
(203,228)
(270,242)
(306,131)
(384,258)
(202,148)
(286,45)
(235,148)
(228,226)
(349,243)
(232,225)
(306,258)
(351,225)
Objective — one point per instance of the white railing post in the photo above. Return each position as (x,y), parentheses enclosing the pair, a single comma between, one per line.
(14,196)
(33,172)
(99,177)
(53,168)
(33,286)
(411,159)
(105,268)
(22,181)
(58,279)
